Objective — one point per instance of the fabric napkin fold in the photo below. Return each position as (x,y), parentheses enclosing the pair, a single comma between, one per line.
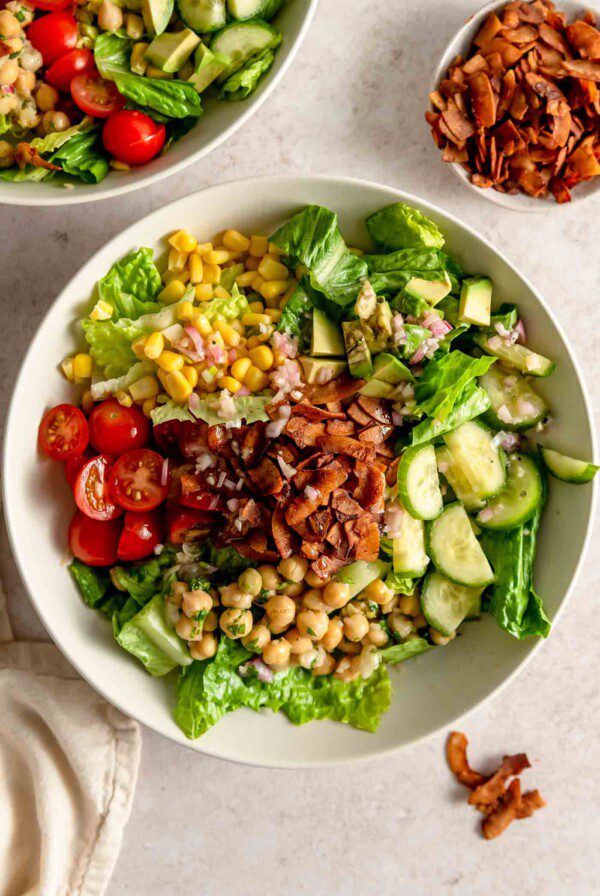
(68,770)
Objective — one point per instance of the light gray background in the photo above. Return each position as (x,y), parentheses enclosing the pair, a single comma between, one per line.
(353,104)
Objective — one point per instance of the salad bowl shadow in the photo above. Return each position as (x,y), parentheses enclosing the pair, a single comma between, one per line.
(430,691)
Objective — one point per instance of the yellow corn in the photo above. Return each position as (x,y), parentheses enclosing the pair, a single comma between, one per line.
(173,292)
(177,260)
(154,347)
(216,256)
(272,289)
(162,377)
(244,279)
(253,341)
(183,241)
(191,375)
(221,293)
(240,368)
(170,361)
(185,311)
(288,294)
(102,310)
(258,246)
(87,402)
(137,62)
(124,399)
(257,282)
(252,319)
(201,248)
(134,25)
(261,357)
(278,358)
(148,406)
(67,369)
(256,307)
(146,387)
(274,314)
(178,386)
(252,263)
(202,324)
(211,274)
(138,346)
(256,380)
(203,292)
(196,267)
(227,332)
(228,382)
(236,241)
(271,269)
(237,326)
(215,339)
(82,366)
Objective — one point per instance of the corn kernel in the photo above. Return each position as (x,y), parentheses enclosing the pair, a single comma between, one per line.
(256,380)
(155,345)
(221,293)
(256,307)
(215,339)
(240,368)
(178,386)
(291,290)
(170,361)
(253,341)
(82,366)
(238,326)
(134,25)
(87,402)
(196,267)
(272,303)
(211,274)
(124,399)
(148,406)
(145,387)
(177,260)
(257,282)
(274,314)
(252,319)
(162,377)
(102,310)
(183,241)
(261,357)
(191,375)
(173,292)
(138,346)
(201,248)
(245,279)
(258,246)
(185,311)
(279,358)
(275,250)
(153,72)
(228,382)
(252,263)
(202,324)
(137,62)
(67,369)
(215,256)
(203,292)
(227,332)
(236,241)
(271,269)
(272,289)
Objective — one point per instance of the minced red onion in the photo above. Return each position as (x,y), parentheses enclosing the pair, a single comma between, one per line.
(233,504)
(164,471)
(287,469)
(263,672)
(173,333)
(203,462)
(495,343)
(519,329)
(274,429)
(397,419)
(485,515)
(221,479)
(311,493)
(194,402)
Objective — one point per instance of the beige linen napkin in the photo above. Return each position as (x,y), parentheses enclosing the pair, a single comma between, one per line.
(68,769)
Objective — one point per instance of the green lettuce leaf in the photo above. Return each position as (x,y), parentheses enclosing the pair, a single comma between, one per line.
(391,273)
(93,582)
(226,309)
(112,51)
(83,156)
(296,318)
(399,226)
(473,402)
(110,345)
(443,381)
(5,124)
(250,408)
(415,336)
(144,579)
(242,83)
(228,278)
(397,653)
(102,389)
(149,637)
(163,413)
(227,559)
(395,580)
(312,238)
(132,285)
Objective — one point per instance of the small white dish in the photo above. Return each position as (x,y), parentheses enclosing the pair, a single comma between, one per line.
(429,692)
(459,46)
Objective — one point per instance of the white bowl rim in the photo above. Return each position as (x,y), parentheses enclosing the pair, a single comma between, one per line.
(74,197)
(283,180)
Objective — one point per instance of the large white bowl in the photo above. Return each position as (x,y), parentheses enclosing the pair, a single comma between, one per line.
(430,691)
(220,120)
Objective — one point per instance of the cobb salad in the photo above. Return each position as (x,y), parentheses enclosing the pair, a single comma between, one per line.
(86,85)
(295,463)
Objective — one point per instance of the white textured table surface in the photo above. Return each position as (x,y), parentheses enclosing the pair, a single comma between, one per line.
(353,104)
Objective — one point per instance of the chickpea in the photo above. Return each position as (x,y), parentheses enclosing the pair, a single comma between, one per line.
(7,157)
(315,581)
(204,648)
(25,82)
(178,589)
(336,594)
(356,626)
(440,639)
(270,577)
(23,12)
(215,597)
(250,582)
(277,653)
(420,621)
(348,647)
(367,607)
(409,604)
(293,569)
(334,634)
(232,596)
(9,72)
(211,623)
(346,670)
(236,623)
(189,629)
(378,591)
(313,600)
(110,17)
(298,643)
(311,658)
(196,602)
(326,667)
(55,121)
(13,45)
(293,589)
(8,103)
(390,606)
(278,628)
(257,638)
(28,116)
(313,623)
(281,610)
(400,625)
(9,24)
(376,635)
(46,97)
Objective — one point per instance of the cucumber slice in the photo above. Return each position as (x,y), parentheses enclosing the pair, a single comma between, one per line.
(253,9)
(243,40)
(203,15)
(446,604)
(519,498)
(568,469)
(514,404)
(479,459)
(516,355)
(475,611)
(419,484)
(455,551)
(156,15)
(361,573)
(456,479)
(409,554)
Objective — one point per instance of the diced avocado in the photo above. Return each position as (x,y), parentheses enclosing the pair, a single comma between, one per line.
(381,320)
(171,49)
(361,573)
(376,389)
(157,15)
(390,369)
(326,336)
(430,291)
(149,637)
(316,369)
(208,67)
(366,302)
(476,301)
(357,350)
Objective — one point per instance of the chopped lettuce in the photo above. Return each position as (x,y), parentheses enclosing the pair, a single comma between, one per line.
(150,638)
(77,150)
(132,285)
(163,413)
(471,403)
(250,408)
(228,278)
(112,51)
(443,381)
(296,317)
(93,582)
(399,226)
(226,559)
(104,388)
(226,309)
(142,580)
(110,345)
(242,83)
(397,653)
(415,336)
(390,273)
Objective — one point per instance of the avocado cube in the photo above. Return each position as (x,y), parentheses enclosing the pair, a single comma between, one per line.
(169,51)
(326,336)
(357,350)
(317,370)
(390,369)
(476,301)
(430,291)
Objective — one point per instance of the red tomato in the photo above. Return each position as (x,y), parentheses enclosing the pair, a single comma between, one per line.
(181,520)
(95,96)
(133,137)
(53,35)
(193,440)
(92,493)
(74,465)
(61,73)
(94,542)
(200,501)
(166,436)
(136,480)
(63,432)
(115,429)
(50,5)
(142,532)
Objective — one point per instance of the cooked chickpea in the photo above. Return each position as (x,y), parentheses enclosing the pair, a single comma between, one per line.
(178,589)
(110,17)
(390,606)
(9,72)
(440,639)
(312,657)
(368,661)
(378,591)
(313,623)
(409,604)
(277,653)
(313,600)
(257,638)
(298,643)
(333,635)
(54,122)
(420,621)
(204,648)
(8,102)
(25,82)
(281,610)
(250,582)
(356,626)
(277,627)
(293,589)
(7,155)
(189,629)
(400,625)
(336,594)
(326,667)
(293,569)
(347,669)
(46,97)
(376,635)
(9,24)
(196,602)
(211,623)
(232,596)
(348,647)
(270,577)
(236,623)
(315,581)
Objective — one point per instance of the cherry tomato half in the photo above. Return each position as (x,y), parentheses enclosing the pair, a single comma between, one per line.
(137,480)
(94,542)
(50,5)
(142,532)
(95,96)
(200,500)
(193,440)
(92,493)
(74,465)
(181,521)
(63,432)
(75,62)
(115,429)
(166,436)
(133,137)
(53,35)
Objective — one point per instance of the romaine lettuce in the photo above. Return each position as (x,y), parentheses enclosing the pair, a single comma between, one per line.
(242,83)
(390,273)
(397,653)
(110,345)
(132,285)
(443,381)
(150,638)
(163,413)
(93,582)
(226,309)
(104,388)
(471,403)
(250,408)
(296,316)
(399,226)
